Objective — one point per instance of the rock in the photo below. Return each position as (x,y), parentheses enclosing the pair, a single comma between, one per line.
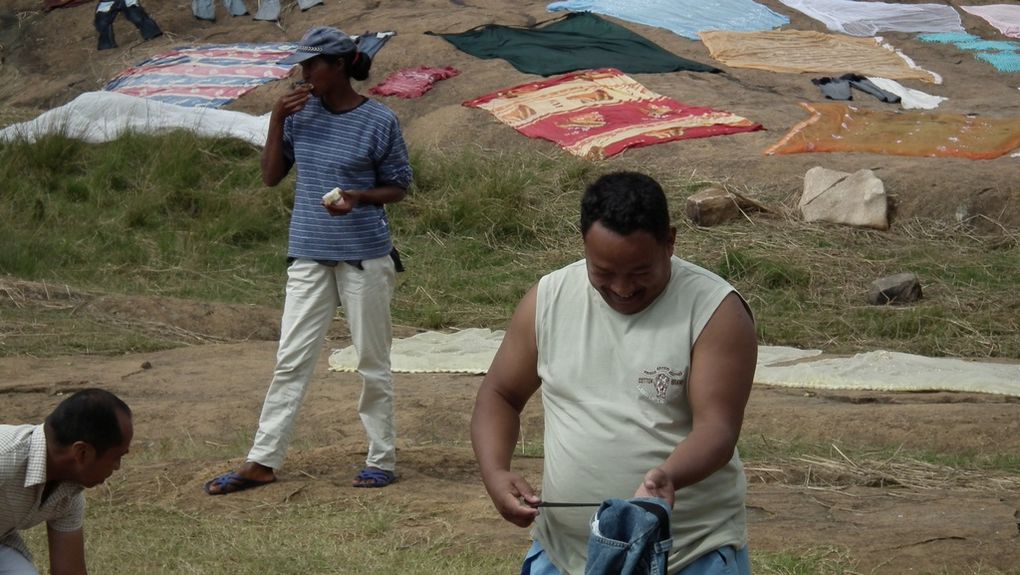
(856,199)
(713,206)
(899,288)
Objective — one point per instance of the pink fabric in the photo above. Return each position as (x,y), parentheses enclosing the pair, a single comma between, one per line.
(412,82)
(1005,17)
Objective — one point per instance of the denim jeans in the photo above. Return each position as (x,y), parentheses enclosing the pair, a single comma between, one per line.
(629,537)
(722,561)
(14,563)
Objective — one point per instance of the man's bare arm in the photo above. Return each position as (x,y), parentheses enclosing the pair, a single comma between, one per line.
(495,425)
(67,552)
(722,370)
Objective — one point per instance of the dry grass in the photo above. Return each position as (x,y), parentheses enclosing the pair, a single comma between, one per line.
(843,472)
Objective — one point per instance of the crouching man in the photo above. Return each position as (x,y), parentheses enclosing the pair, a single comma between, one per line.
(45,468)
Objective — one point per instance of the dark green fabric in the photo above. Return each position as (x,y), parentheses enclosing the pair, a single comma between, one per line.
(578,41)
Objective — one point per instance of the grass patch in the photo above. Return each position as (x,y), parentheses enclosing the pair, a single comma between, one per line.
(816,561)
(176,215)
(337,537)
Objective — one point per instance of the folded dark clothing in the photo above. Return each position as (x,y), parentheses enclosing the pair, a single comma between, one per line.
(840,88)
(865,85)
(833,88)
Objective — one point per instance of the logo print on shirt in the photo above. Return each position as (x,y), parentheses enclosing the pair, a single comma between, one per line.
(661,384)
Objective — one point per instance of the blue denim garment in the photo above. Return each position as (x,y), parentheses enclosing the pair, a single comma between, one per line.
(629,537)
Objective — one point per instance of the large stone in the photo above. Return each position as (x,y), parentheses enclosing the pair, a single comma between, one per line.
(856,199)
(713,206)
(899,288)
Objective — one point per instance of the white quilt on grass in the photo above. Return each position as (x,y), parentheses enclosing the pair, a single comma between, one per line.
(472,350)
(97,117)
(1005,17)
(871,18)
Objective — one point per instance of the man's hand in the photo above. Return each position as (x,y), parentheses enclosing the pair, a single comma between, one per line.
(657,484)
(347,202)
(292,102)
(507,490)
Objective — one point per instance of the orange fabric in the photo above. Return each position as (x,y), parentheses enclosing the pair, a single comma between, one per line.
(835,127)
(596,114)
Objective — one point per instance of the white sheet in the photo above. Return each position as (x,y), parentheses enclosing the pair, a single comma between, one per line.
(472,350)
(870,18)
(910,99)
(103,116)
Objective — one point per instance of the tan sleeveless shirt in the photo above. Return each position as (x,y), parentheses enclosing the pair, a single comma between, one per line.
(614,390)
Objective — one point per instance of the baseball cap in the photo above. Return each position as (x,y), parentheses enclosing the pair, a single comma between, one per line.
(321,40)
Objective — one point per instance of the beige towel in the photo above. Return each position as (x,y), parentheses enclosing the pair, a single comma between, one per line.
(799,52)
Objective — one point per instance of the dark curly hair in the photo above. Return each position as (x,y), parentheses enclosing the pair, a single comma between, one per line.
(626,202)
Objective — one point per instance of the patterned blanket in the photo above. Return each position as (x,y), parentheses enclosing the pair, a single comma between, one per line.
(204,76)
(596,114)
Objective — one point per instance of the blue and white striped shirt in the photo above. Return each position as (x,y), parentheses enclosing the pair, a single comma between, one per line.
(358,149)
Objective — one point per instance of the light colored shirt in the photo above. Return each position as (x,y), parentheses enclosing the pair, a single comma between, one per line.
(614,391)
(22,481)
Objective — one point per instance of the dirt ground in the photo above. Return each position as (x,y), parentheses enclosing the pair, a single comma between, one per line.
(892,518)
(887,515)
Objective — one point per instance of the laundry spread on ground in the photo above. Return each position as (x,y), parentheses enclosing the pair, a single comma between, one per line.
(1004,17)
(1004,55)
(834,127)
(910,99)
(843,87)
(683,17)
(472,350)
(214,75)
(596,114)
(97,117)
(871,18)
(800,52)
(578,41)
(412,82)
(204,76)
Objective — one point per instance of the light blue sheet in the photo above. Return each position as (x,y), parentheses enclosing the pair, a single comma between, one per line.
(683,17)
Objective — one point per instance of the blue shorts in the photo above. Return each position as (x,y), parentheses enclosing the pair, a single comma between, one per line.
(722,561)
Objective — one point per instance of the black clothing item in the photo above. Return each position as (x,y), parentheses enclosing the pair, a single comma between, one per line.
(394,255)
(135,14)
(839,88)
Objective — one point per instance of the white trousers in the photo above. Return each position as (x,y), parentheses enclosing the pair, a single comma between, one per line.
(14,563)
(313,293)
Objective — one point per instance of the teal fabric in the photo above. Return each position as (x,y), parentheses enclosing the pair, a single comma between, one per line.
(578,41)
(1003,54)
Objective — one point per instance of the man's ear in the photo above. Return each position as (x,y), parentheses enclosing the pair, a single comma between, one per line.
(82,451)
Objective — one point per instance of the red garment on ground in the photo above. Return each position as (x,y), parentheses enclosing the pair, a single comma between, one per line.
(412,82)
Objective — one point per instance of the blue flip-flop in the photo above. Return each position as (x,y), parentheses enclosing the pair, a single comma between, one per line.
(231,482)
(374,477)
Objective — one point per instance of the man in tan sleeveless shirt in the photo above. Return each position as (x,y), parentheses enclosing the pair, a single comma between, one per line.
(645,364)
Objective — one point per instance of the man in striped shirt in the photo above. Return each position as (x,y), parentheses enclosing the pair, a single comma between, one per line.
(44,470)
(340,251)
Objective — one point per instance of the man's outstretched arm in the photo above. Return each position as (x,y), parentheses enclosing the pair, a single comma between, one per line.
(495,425)
(722,370)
